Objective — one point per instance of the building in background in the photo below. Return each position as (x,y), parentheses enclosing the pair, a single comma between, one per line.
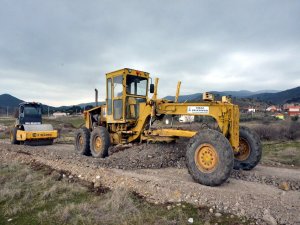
(293,110)
(60,114)
(251,110)
(186,119)
(273,108)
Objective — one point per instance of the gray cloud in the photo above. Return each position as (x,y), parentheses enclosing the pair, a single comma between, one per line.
(58,51)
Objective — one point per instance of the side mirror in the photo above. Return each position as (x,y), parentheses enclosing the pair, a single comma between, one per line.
(151,88)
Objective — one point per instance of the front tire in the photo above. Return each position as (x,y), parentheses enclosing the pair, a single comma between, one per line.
(250,150)
(100,142)
(82,141)
(209,158)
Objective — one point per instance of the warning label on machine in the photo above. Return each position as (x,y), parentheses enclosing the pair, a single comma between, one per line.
(198,109)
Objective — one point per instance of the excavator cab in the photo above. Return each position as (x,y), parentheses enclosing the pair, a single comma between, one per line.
(126,89)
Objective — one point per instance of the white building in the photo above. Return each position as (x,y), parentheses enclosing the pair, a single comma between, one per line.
(59,114)
(251,110)
(186,119)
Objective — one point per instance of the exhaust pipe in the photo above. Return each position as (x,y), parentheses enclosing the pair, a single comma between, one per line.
(96,97)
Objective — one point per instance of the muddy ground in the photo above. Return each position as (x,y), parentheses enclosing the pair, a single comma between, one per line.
(157,171)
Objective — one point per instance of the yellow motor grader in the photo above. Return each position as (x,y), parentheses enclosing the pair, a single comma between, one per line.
(129,114)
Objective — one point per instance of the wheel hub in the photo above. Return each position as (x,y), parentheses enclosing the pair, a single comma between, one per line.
(80,142)
(98,144)
(244,150)
(206,158)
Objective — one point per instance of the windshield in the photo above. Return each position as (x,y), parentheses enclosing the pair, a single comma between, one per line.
(31,110)
(136,85)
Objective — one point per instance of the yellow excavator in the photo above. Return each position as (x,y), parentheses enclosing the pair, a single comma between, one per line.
(29,129)
(129,114)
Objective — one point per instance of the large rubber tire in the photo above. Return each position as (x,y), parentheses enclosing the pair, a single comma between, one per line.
(224,158)
(251,157)
(82,141)
(100,142)
(13,136)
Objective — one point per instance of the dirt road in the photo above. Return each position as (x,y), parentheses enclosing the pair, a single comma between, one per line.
(164,178)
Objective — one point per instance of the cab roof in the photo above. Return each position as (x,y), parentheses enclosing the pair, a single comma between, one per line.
(128,71)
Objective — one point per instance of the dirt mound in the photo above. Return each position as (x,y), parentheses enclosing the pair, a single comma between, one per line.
(142,156)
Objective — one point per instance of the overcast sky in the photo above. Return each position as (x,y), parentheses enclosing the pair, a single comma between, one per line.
(58,51)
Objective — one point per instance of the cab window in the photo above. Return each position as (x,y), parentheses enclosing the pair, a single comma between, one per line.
(118,86)
(136,85)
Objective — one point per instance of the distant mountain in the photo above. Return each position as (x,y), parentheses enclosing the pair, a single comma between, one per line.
(287,96)
(7,100)
(82,105)
(242,93)
(242,98)
(184,98)
(238,94)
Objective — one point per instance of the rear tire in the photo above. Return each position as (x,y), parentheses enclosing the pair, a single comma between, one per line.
(251,150)
(13,136)
(82,141)
(100,142)
(209,158)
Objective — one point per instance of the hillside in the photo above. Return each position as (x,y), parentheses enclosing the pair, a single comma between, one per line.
(243,98)
(7,100)
(242,93)
(287,96)
(83,105)
(184,98)
(237,94)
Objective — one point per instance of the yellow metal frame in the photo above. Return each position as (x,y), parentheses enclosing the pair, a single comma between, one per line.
(87,113)
(125,130)
(225,114)
(36,135)
(171,133)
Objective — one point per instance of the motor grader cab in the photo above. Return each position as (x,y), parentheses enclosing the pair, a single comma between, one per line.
(129,114)
(29,129)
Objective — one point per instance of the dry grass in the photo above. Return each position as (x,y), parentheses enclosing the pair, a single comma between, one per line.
(277,131)
(287,153)
(35,197)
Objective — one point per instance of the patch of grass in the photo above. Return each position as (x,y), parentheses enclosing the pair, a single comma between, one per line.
(7,121)
(37,196)
(283,152)
(67,122)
